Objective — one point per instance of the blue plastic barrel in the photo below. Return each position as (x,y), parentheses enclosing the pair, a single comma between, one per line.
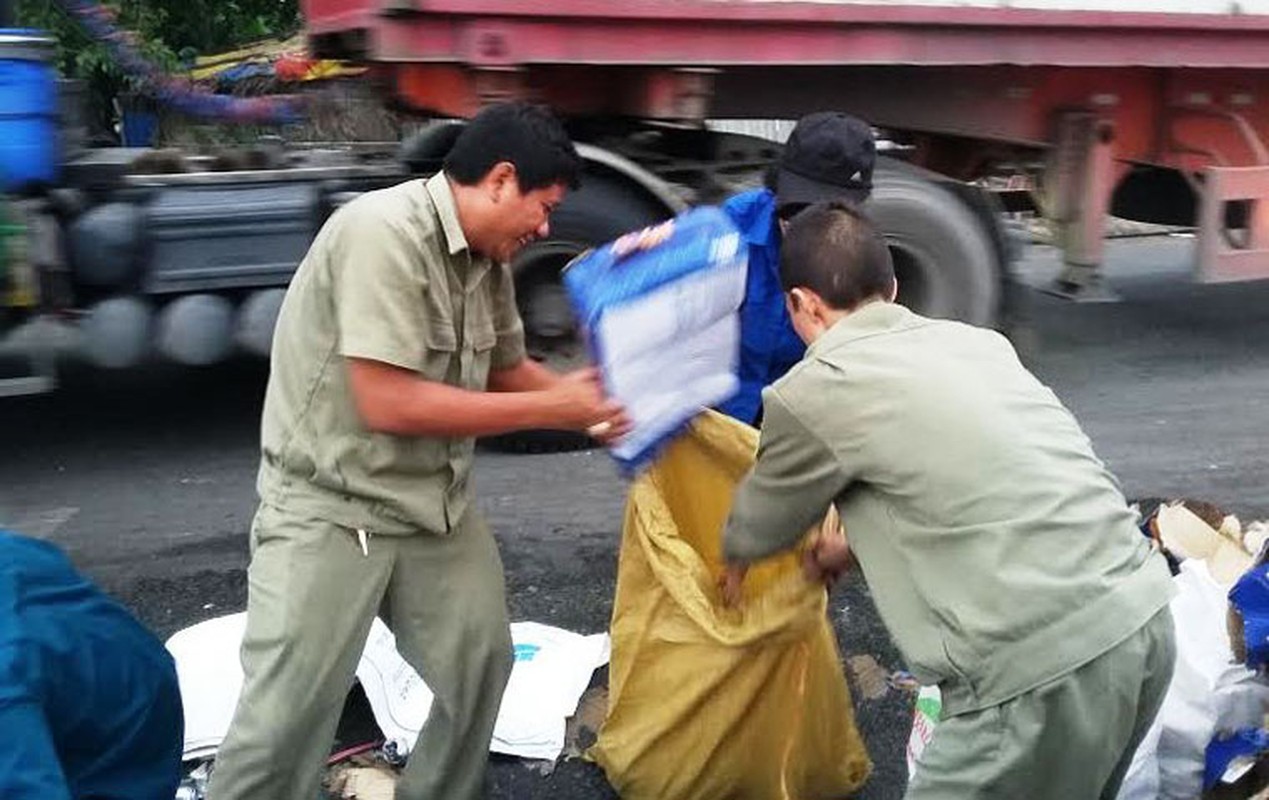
(28,110)
(139,128)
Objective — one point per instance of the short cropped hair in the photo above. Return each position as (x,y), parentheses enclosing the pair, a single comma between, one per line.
(528,136)
(833,250)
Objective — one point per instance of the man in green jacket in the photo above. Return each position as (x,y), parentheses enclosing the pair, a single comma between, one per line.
(1003,558)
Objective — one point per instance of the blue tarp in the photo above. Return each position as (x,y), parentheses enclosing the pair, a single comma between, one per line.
(89,701)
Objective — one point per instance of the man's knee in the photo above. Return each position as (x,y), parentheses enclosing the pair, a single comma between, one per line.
(501,650)
(487,632)
(485,640)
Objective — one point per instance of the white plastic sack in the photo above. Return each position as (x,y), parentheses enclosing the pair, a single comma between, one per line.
(1142,780)
(552,669)
(210,675)
(1209,693)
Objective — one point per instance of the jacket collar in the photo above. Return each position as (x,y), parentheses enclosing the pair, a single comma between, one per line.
(754,213)
(877,317)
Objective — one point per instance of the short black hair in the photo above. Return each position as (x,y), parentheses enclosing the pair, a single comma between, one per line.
(833,250)
(528,136)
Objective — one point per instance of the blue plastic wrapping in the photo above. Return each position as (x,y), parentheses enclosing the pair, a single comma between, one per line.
(662,325)
(1250,596)
(1223,751)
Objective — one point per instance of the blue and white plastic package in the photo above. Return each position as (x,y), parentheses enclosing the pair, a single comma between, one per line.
(662,325)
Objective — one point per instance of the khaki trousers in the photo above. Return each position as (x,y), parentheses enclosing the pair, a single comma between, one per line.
(1070,739)
(312,595)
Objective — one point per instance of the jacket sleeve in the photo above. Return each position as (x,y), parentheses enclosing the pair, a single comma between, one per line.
(789,489)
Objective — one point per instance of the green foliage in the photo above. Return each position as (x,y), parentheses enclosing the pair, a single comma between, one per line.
(78,56)
(208,26)
(164,28)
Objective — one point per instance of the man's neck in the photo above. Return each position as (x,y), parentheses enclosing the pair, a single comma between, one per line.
(835,315)
(465,205)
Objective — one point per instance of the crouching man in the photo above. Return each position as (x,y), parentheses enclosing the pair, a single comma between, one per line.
(1002,556)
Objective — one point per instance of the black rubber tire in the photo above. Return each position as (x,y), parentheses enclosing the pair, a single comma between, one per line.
(945,260)
(605,207)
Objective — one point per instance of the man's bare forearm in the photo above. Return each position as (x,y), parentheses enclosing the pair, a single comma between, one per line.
(526,376)
(397,401)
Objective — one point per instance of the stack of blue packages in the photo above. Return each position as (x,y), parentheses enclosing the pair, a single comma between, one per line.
(662,325)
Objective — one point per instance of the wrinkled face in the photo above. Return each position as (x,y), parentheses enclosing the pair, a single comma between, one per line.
(521,218)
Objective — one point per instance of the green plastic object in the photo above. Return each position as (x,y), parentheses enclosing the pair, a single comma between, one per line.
(10,241)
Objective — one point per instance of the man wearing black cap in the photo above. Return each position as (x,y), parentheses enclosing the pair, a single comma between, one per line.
(829,156)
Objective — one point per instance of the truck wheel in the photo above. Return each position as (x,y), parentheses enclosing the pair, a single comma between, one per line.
(603,208)
(944,260)
(106,245)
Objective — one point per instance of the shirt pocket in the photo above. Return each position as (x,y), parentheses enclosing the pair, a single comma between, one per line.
(440,348)
(483,340)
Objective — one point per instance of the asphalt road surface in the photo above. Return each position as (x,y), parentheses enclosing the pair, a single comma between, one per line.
(146,478)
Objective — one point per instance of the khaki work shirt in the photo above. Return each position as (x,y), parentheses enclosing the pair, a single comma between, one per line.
(389,278)
(999,549)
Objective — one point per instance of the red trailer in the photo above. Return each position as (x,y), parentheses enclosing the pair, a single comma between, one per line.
(1158,116)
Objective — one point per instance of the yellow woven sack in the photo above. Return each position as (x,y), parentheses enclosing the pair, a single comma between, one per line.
(708,702)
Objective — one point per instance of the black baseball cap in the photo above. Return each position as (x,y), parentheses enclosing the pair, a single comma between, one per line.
(829,156)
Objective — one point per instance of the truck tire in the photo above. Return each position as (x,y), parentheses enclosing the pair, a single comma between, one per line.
(105,246)
(256,320)
(196,330)
(945,261)
(605,207)
(116,332)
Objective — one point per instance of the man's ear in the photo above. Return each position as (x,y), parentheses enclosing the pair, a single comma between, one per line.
(808,302)
(797,300)
(501,180)
(894,290)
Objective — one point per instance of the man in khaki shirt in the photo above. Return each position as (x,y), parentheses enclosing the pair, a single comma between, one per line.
(397,344)
(1001,553)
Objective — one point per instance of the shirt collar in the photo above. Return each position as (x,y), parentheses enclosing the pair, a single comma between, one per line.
(447,211)
(872,319)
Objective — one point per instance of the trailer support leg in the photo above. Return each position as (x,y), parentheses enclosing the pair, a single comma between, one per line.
(1081,178)
(1233,254)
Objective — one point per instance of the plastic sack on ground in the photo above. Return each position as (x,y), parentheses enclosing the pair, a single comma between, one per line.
(1209,694)
(552,669)
(707,701)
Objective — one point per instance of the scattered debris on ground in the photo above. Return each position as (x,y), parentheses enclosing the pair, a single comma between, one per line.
(361,777)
